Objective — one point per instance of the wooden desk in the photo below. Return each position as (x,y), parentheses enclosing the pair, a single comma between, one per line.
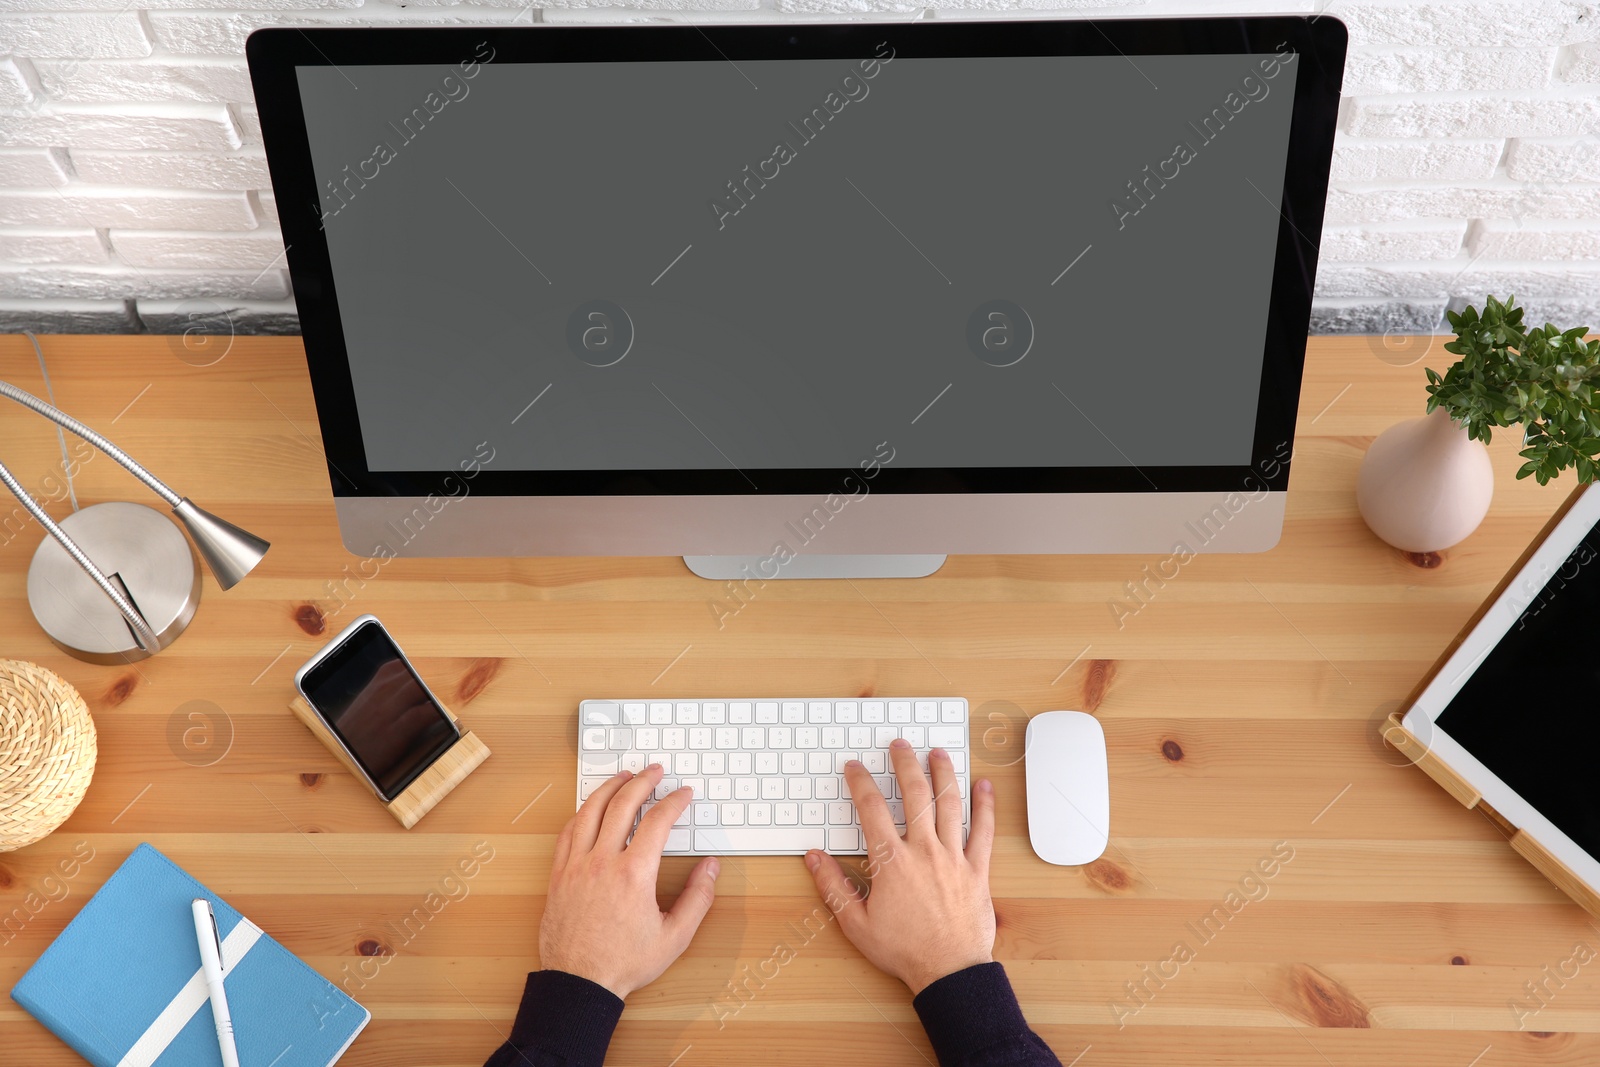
(1240,705)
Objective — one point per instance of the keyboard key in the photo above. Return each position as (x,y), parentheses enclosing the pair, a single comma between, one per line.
(738,763)
(819,711)
(766,711)
(687,714)
(712,763)
(794,711)
(799,788)
(859,737)
(760,814)
(665,786)
(846,839)
(846,711)
(686,763)
(739,712)
(917,735)
(746,789)
(872,711)
(833,737)
(714,714)
(841,758)
(947,737)
(780,737)
(587,786)
(597,713)
(754,737)
(899,711)
(727,737)
(819,763)
(772,788)
(663,758)
(660,714)
(812,814)
(705,814)
(767,763)
(958,760)
(827,788)
(841,813)
(680,840)
(952,711)
(884,734)
(633,761)
(758,839)
(597,763)
(634,714)
(648,738)
(592,738)
(731,814)
(620,738)
(673,738)
(696,787)
(719,789)
(806,737)
(787,814)
(927,711)
(699,738)
(875,761)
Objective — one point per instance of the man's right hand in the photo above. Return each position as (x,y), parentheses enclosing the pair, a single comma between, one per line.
(928,913)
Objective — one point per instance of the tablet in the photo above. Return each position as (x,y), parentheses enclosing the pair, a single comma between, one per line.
(1512,709)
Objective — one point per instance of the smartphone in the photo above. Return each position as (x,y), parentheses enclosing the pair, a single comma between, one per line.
(379,708)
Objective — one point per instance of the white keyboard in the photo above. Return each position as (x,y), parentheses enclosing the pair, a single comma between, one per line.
(768,775)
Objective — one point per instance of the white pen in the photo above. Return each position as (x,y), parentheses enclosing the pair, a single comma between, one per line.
(205,931)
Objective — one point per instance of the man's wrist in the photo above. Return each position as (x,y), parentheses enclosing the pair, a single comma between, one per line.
(923,979)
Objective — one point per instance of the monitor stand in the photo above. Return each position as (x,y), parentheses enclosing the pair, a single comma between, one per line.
(738,568)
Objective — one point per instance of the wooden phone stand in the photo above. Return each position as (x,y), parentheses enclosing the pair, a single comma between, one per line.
(1417,752)
(430,787)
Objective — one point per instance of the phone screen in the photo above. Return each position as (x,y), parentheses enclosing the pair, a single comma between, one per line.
(374,702)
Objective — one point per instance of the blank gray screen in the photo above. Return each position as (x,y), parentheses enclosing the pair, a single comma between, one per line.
(473,231)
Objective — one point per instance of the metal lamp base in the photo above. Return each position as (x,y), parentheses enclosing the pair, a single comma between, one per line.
(136,546)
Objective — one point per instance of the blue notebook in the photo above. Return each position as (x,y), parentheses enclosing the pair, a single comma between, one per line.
(122,984)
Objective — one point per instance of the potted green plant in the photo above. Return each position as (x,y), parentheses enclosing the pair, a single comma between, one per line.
(1426,484)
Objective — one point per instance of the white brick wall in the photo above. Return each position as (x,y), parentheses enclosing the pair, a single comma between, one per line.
(133,188)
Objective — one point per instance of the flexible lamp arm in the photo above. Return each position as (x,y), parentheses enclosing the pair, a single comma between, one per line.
(141,629)
(61,418)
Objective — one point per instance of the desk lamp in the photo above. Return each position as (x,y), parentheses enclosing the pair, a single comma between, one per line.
(150,585)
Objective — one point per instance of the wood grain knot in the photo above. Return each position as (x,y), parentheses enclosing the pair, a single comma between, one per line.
(1543,1035)
(311,779)
(1172,750)
(1426,560)
(1458,961)
(6,880)
(371,946)
(477,679)
(1326,1002)
(1108,876)
(309,618)
(1096,681)
(121,689)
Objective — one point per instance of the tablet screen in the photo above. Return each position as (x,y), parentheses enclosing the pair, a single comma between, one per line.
(1530,712)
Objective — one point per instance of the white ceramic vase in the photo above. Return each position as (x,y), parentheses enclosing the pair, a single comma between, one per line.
(1424,485)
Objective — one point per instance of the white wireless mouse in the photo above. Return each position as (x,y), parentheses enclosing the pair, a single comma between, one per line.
(1069,790)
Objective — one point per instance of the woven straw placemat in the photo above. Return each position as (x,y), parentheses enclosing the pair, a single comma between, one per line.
(47,752)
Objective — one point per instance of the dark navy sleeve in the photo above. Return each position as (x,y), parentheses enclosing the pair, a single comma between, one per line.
(564,1021)
(973,1020)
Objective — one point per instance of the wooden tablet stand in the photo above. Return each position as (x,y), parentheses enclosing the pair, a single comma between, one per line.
(1542,859)
(1414,749)
(430,787)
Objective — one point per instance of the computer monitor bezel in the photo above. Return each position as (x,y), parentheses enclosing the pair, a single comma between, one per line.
(1319,43)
